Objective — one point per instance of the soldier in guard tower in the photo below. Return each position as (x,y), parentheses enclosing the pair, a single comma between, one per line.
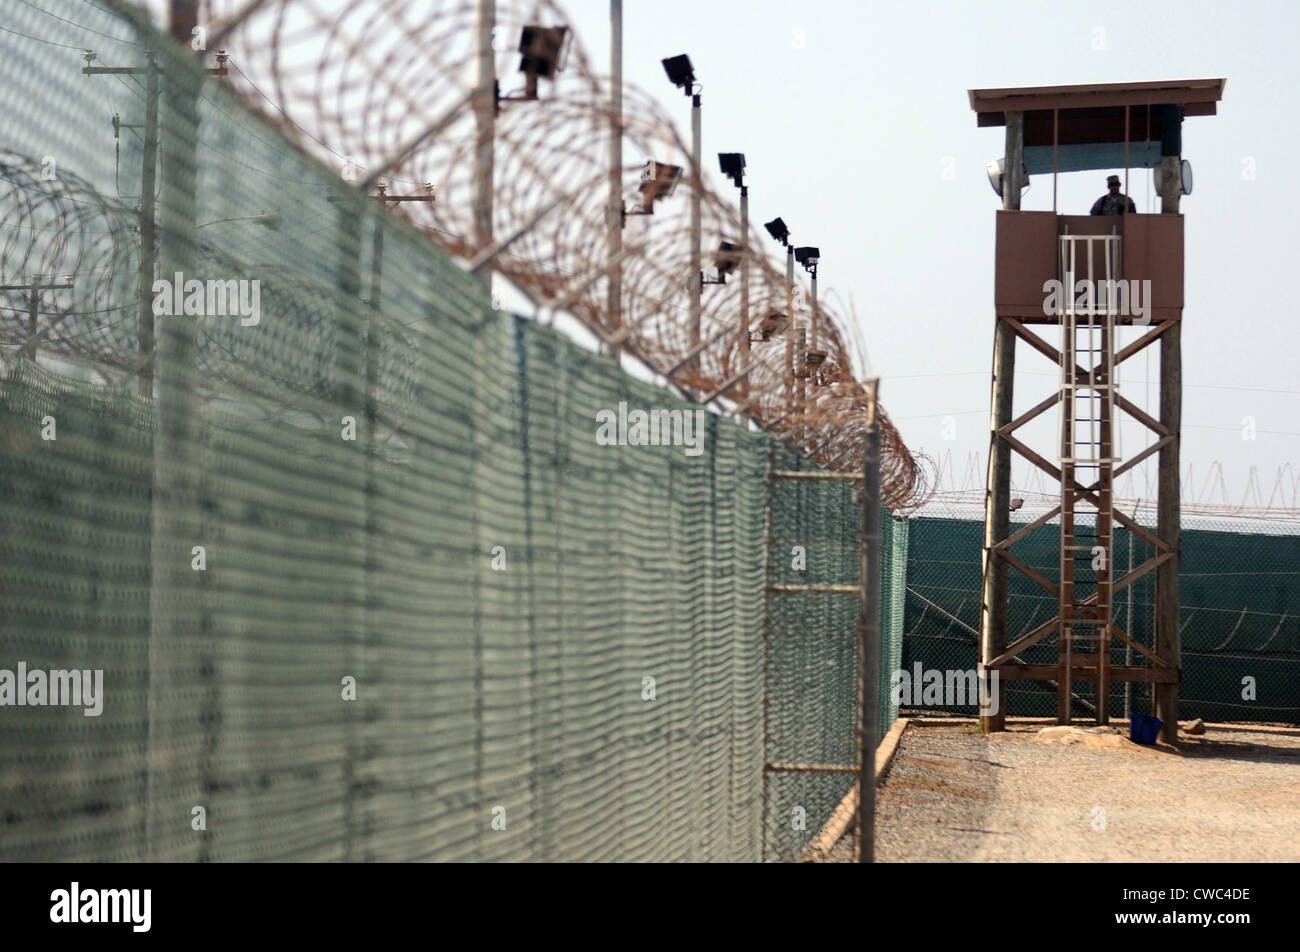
(1113,203)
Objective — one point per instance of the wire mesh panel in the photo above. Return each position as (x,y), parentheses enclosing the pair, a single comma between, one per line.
(813,691)
(1237,616)
(369,570)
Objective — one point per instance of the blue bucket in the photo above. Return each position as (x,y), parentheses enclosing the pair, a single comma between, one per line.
(1143,729)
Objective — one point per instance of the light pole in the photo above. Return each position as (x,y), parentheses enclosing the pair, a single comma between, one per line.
(807,256)
(681,74)
(485,112)
(614,301)
(778,230)
(733,166)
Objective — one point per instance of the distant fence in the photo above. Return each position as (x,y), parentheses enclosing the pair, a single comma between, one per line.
(1239,616)
(363,577)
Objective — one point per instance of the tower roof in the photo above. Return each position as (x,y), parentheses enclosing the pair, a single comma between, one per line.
(1090,124)
(1197,97)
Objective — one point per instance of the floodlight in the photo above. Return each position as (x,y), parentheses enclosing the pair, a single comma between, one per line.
(997,169)
(725,261)
(727,258)
(807,256)
(774,325)
(544,49)
(1184,177)
(776,228)
(679,72)
(733,166)
(658,180)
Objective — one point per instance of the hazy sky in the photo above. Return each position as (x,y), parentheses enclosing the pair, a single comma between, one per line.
(849,113)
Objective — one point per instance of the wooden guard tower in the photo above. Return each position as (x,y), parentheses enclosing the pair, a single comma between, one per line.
(1063,129)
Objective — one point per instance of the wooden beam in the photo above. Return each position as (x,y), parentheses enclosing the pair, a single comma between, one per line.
(1148,566)
(1148,338)
(1052,672)
(1037,523)
(1130,463)
(1141,649)
(1137,530)
(1040,579)
(1034,341)
(1024,418)
(1140,415)
(1168,513)
(1029,640)
(1037,460)
(997,514)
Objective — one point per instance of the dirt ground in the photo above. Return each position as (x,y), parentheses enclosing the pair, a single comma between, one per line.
(954,795)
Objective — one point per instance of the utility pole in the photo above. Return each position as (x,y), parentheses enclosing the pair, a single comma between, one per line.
(801,382)
(148,209)
(793,324)
(812,336)
(697,189)
(744,284)
(182,26)
(34,289)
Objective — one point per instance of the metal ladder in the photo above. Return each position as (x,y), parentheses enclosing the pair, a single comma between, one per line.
(1087,413)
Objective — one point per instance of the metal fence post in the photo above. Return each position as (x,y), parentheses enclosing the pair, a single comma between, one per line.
(869,631)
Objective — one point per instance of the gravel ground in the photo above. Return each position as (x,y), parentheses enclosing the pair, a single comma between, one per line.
(955,796)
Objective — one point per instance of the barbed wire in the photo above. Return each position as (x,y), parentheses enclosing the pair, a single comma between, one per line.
(352,84)
(354,81)
(74,251)
(1205,494)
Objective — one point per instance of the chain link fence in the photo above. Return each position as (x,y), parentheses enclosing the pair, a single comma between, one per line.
(1239,615)
(813,712)
(355,566)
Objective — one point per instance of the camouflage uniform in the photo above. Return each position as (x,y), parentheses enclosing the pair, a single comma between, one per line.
(1110,204)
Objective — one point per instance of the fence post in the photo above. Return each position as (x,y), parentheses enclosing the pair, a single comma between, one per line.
(869,630)
(767,640)
(172,779)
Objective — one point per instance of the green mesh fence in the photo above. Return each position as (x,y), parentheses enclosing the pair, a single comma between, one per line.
(813,647)
(1239,615)
(361,580)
